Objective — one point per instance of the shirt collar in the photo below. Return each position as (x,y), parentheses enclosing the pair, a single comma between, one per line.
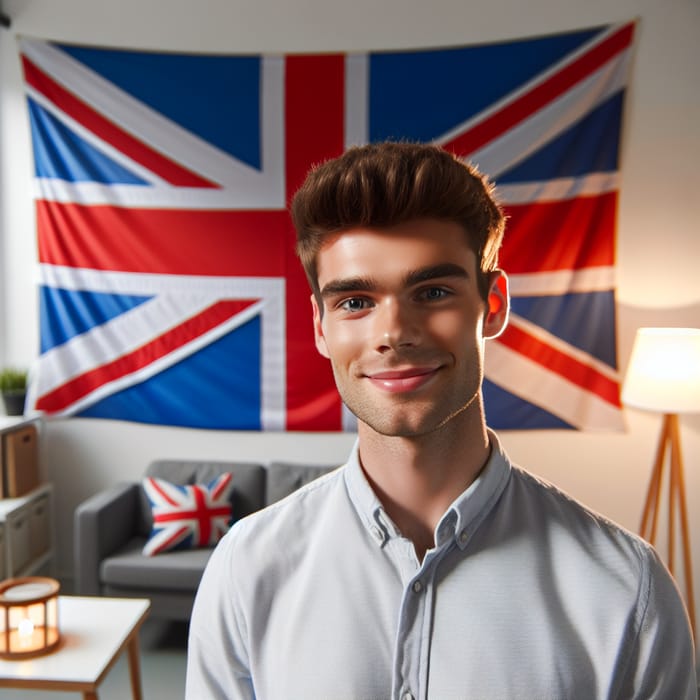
(461,519)
(476,502)
(366,503)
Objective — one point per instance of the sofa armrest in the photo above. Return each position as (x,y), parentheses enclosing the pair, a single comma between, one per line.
(102,524)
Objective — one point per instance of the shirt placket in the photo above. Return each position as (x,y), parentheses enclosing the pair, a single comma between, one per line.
(412,650)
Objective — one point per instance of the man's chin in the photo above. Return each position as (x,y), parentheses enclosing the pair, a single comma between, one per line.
(400,426)
(416,422)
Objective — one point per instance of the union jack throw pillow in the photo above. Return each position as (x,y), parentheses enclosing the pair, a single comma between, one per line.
(187,517)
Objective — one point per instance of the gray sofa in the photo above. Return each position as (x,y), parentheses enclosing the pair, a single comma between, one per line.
(111,528)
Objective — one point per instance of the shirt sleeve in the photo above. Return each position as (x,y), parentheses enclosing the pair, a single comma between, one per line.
(217,656)
(662,661)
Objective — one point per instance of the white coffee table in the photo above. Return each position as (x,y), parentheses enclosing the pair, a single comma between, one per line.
(95,631)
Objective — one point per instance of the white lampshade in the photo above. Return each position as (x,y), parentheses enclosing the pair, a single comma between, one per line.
(664,371)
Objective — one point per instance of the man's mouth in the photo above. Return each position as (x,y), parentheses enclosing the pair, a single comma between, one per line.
(402,380)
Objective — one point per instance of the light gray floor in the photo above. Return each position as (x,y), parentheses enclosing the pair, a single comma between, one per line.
(163,655)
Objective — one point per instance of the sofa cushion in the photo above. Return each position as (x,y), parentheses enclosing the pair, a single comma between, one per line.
(174,571)
(248,493)
(285,477)
(187,516)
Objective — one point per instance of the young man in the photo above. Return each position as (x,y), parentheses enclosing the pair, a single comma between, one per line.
(428,566)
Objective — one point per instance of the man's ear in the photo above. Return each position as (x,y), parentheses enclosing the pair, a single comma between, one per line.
(496,317)
(318,329)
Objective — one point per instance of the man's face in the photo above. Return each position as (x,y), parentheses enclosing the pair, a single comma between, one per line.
(403,324)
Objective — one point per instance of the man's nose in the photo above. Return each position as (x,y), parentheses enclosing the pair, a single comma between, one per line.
(395,326)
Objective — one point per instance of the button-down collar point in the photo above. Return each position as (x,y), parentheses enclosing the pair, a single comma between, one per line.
(377,533)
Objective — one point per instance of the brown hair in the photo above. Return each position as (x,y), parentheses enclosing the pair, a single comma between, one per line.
(385,184)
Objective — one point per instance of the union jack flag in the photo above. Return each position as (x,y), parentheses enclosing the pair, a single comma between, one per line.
(187,516)
(169,289)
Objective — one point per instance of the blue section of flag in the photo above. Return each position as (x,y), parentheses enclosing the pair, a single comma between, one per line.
(564,157)
(506,411)
(60,153)
(561,316)
(183,88)
(66,313)
(217,387)
(421,95)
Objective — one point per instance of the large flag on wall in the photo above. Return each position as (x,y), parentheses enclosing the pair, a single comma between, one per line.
(169,289)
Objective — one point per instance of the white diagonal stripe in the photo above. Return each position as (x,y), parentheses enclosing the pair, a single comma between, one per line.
(142,374)
(178,297)
(89,137)
(537,385)
(524,139)
(526,87)
(559,189)
(243,182)
(589,279)
(562,346)
(116,337)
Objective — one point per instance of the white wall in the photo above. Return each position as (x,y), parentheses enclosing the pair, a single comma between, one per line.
(659,241)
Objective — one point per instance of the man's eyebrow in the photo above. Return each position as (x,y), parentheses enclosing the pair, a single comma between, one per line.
(426,274)
(348,284)
(367,284)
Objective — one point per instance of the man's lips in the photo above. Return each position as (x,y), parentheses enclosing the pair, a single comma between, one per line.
(402,380)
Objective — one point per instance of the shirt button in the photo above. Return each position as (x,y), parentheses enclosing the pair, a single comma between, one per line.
(408,695)
(463,536)
(417,588)
(377,533)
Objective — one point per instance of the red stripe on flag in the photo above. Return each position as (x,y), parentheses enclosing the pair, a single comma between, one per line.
(163,493)
(108,131)
(179,534)
(203,517)
(568,367)
(221,484)
(315,115)
(565,235)
(541,94)
(165,241)
(77,388)
(181,514)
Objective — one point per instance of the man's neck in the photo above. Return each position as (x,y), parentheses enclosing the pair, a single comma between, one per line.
(417,478)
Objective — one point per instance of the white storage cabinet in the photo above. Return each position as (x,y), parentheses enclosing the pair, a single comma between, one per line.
(26,546)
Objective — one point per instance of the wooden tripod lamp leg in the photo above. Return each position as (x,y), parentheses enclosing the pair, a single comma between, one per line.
(651,506)
(672,498)
(679,482)
(670,437)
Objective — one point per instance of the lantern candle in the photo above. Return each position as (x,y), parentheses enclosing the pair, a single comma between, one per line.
(28,617)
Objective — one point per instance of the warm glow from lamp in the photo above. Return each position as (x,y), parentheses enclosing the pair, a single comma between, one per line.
(664,371)
(28,617)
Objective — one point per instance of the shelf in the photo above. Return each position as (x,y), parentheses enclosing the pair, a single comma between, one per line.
(9,504)
(26,544)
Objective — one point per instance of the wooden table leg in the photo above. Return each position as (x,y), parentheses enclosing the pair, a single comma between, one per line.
(135,667)
(89,695)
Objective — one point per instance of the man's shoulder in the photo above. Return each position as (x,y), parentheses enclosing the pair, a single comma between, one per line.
(296,513)
(262,549)
(569,519)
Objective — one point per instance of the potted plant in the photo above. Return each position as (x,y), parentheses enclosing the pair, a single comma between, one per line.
(13,386)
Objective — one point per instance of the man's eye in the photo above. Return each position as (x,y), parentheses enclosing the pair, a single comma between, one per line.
(354,304)
(433,294)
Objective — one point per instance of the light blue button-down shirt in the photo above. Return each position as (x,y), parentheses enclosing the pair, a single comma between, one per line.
(525,596)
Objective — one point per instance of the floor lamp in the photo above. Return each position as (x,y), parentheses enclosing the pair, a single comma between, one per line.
(664,376)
